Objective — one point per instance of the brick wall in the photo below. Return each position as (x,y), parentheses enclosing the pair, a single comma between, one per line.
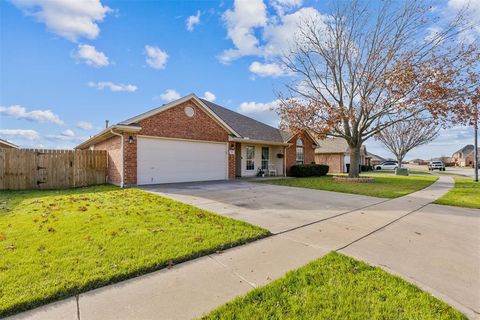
(291,151)
(335,161)
(174,123)
(112,145)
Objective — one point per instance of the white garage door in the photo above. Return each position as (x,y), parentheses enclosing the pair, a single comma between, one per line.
(167,161)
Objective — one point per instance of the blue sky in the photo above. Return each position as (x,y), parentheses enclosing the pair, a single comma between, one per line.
(68,66)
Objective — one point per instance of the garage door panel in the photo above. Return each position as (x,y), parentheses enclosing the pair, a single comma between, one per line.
(168,161)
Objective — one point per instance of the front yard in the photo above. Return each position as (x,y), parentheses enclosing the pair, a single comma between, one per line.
(337,287)
(466,193)
(55,244)
(384,186)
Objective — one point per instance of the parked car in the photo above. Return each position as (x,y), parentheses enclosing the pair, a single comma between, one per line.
(436,165)
(387,165)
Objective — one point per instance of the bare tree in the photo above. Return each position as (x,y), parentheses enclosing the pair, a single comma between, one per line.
(364,67)
(402,137)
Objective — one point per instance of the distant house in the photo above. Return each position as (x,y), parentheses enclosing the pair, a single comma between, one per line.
(7,145)
(464,157)
(335,153)
(418,161)
(375,159)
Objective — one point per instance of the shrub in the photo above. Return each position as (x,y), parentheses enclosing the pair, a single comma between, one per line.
(308,170)
(364,168)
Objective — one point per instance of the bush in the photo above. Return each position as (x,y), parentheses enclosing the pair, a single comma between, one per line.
(364,168)
(308,170)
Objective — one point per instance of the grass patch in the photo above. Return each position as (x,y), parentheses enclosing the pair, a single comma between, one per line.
(465,193)
(337,287)
(384,186)
(54,244)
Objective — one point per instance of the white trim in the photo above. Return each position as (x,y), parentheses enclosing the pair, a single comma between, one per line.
(177,102)
(106,131)
(263,142)
(180,139)
(7,143)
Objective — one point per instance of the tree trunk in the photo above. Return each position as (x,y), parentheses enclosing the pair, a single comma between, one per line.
(399,160)
(354,162)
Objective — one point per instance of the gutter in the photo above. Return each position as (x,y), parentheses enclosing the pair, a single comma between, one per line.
(265,142)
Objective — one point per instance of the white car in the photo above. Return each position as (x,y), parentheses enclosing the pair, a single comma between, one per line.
(387,165)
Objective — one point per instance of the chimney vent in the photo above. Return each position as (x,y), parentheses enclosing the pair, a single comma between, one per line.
(106,123)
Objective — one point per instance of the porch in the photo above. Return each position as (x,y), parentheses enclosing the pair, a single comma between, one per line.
(251,157)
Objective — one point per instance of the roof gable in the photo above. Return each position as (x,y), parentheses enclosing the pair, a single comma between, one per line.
(246,127)
(172,104)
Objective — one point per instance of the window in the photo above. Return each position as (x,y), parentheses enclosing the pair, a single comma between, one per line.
(300,151)
(250,157)
(265,157)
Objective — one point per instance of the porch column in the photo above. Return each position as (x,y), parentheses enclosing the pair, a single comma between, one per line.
(231,160)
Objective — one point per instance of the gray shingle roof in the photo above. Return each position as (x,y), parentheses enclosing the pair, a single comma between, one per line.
(245,126)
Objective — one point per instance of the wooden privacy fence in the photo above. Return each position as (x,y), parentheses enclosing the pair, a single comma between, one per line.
(51,169)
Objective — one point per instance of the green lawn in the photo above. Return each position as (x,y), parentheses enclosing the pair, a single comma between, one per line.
(384,186)
(337,287)
(466,193)
(55,244)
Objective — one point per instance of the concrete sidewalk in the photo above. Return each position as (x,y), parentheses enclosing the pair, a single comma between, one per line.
(374,234)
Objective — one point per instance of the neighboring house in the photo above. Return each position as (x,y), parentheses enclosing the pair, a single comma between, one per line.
(464,157)
(375,159)
(418,162)
(192,139)
(6,145)
(335,153)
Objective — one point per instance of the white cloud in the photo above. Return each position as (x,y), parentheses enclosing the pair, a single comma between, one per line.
(241,23)
(156,57)
(278,37)
(68,133)
(209,96)
(67,18)
(170,95)
(256,107)
(264,112)
(19,112)
(20,133)
(266,69)
(91,56)
(192,21)
(115,87)
(472,16)
(254,34)
(84,125)
(282,6)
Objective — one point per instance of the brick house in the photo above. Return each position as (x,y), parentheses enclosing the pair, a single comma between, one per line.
(335,153)
(465,157)
(192,139)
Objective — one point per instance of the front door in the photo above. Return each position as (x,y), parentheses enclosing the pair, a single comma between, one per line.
(265,158)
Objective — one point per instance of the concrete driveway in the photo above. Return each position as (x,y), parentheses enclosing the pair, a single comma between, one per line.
(436,247)
(275,208)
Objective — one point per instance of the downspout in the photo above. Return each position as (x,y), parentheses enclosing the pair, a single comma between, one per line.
(123,159)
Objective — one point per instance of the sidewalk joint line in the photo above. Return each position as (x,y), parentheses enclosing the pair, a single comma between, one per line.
(328,218)
(253,285)
(382,227)
(77,299)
